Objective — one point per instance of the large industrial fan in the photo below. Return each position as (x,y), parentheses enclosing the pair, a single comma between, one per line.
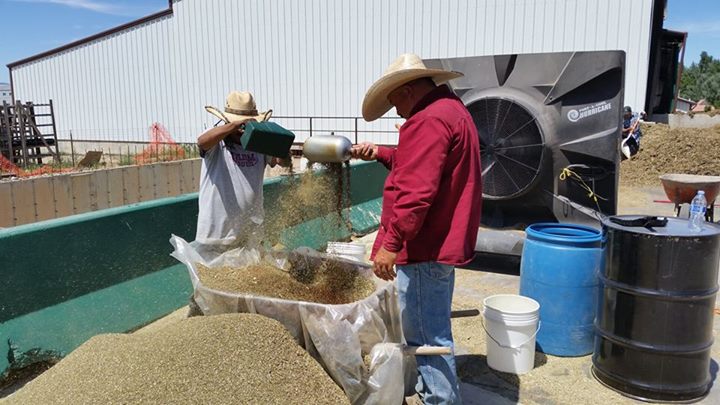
(549,127)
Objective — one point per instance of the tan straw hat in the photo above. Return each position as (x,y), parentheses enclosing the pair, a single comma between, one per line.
(406,68)
(239,105)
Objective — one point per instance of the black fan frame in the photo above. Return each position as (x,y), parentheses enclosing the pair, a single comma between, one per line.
(512,146)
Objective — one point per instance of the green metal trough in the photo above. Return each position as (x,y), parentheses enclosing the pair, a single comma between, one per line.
(109,271)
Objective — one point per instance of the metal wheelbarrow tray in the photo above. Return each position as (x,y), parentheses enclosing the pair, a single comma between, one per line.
(682,188)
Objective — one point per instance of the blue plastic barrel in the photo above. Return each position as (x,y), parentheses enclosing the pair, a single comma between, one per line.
(559,269)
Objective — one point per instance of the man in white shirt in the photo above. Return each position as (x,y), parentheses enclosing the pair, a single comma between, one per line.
(231,179)
(231,182)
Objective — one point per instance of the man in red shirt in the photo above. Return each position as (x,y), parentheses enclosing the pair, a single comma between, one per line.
(431,208)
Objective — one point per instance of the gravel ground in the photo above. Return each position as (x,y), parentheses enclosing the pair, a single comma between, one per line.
(222,359)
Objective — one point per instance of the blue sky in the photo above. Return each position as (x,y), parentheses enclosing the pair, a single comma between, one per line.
(40,25)
(701,20)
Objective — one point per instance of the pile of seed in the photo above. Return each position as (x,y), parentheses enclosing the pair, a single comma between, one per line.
(310,280)
(222,359)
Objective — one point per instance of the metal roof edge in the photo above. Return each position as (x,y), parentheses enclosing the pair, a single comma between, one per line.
(154,16)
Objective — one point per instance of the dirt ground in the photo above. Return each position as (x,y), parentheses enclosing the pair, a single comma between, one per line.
(664,150)
(644,200)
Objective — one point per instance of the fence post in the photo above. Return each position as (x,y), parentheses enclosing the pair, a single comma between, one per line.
(356,130)
(20,111)
(72,149)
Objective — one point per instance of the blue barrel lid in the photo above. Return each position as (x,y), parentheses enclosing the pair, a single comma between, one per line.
(564,234)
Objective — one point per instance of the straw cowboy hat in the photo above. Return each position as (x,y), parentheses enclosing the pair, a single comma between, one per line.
(239,105)
(406,68)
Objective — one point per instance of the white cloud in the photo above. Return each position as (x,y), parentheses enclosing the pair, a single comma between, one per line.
(115,8)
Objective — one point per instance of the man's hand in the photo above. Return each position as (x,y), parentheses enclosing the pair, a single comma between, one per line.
(384,264)
(240,124)
(365,151)
(283,162)
(232,130)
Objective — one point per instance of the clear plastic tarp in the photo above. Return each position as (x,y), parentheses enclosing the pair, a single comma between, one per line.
(338,336)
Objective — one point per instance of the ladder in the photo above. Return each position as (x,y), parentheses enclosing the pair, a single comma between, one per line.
(28,133)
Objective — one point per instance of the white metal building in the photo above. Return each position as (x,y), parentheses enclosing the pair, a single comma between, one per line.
(308,57)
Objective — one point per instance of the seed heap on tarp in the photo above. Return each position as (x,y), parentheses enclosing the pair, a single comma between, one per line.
(311,280)
(221,359)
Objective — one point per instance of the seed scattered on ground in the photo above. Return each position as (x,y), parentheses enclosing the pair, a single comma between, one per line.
(309,279)
(221,359)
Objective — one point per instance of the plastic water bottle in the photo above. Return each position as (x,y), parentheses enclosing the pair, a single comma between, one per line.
(697,212)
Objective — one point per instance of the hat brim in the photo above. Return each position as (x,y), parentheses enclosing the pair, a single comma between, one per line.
(228,117)
(376,103)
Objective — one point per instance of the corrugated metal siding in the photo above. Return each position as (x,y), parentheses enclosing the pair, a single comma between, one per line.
(305,58)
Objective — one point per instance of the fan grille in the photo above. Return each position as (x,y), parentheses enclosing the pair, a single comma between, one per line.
(511,146)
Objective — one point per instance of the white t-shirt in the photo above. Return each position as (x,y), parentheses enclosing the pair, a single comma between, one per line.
(231,196)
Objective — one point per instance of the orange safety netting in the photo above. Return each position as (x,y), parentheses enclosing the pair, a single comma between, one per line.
(7,166)
(162,147)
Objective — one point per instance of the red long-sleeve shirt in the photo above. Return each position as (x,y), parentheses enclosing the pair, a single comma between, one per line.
(433,195)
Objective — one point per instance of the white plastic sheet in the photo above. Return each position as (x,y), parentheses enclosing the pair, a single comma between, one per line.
(336,335)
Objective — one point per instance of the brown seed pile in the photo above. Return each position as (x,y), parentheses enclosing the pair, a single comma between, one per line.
(664,150)
(222,359)
(308,279)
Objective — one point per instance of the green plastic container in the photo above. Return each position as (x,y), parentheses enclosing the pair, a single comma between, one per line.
(267,138)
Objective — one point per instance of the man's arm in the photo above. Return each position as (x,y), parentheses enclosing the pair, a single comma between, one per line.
(634,125)
(386,156)
(212,137)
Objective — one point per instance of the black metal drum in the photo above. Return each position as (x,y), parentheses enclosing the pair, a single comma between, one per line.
(654,327)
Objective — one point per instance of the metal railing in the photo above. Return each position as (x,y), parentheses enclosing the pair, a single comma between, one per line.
(356,126)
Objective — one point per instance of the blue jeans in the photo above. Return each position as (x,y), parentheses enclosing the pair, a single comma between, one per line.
(425,292)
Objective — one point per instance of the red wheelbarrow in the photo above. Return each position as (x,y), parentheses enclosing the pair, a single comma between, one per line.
(682,188)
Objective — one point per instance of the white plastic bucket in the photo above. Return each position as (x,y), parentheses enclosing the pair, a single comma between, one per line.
(511,323)
(350,251)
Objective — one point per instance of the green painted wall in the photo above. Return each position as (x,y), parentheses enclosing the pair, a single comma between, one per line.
(68,279)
